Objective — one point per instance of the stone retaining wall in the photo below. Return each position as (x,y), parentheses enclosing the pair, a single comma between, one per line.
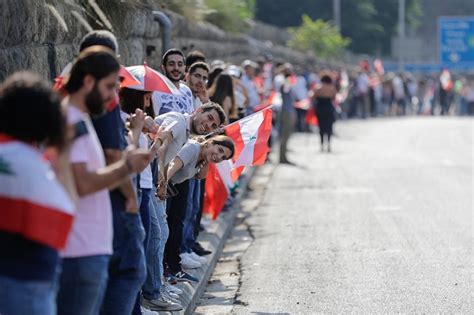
(43,35)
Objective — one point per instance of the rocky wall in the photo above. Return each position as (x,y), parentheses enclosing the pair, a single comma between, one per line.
(43,35)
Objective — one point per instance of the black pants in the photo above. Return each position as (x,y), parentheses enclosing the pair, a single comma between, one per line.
(197,224)
(176,211)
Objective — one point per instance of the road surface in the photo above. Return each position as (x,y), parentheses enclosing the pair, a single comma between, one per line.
(384,224)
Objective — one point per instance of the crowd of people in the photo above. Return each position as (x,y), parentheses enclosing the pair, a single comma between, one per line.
(102,183)
(376,93)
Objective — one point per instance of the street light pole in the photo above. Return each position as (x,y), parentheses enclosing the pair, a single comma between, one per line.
(401,33)
(336,7)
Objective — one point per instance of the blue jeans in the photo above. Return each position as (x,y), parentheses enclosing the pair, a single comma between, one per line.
(160,208)
(127,269)
(192,210)
(82,284)
(32,297)
(152,285)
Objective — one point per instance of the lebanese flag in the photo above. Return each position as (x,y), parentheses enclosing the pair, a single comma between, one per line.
(311,118)
(250,135)
(33,203)
(218,183)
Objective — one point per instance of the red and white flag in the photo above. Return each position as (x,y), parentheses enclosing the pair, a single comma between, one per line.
(218,184)
(250,135)
(33,203)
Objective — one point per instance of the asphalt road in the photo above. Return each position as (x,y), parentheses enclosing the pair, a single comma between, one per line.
(384,224)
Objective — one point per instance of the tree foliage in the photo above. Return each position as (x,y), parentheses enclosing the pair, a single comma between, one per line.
(229,15)
(318,36)
(370,24)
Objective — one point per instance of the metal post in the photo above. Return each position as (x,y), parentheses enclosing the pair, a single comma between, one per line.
(166,26)
(336,6)
(401,33)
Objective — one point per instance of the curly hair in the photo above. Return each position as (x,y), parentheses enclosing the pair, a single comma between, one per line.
(30,111)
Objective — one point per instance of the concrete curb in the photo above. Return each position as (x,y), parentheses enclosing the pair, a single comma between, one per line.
(212,239)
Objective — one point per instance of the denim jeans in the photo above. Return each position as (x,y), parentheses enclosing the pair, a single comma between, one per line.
(32,297)
(127,269)
(160,208)
(152,285)
(82,284)
(192,210)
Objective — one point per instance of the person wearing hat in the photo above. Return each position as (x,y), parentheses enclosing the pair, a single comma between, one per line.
(240,92)
(247,80)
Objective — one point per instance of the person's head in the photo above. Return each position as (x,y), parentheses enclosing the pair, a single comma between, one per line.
(197,76)
(193,57)
(94,77)
(249,67)
(30,110)
(234,71)
(207,118)
(326,79)
(173,64)
(218,148)
(213,74)
(131,99)
(222,87)
(99,38)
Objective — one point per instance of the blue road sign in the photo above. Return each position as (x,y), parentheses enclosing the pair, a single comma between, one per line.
(456,42)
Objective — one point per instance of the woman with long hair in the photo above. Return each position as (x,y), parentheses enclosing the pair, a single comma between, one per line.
(322,101)
(222,93)
(195,156)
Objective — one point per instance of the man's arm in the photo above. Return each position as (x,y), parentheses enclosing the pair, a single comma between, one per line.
(111,176)
(162,179)
(175,165)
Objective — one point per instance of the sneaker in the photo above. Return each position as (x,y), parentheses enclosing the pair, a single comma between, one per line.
(161,304)
(188,263)
(173,297)
(182,276)
(172,288)
(196,257)
(172,280)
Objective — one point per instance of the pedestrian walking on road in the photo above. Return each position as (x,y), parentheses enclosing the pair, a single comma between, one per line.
(322,102)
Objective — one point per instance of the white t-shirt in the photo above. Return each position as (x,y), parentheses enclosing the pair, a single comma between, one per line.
(179,129)
(92,229)
(146,178)
(196,102)
(165,103)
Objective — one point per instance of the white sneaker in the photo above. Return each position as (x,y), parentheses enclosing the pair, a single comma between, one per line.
(161,304)
(196,257)
(188,263)
(170,295)
(172,288)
